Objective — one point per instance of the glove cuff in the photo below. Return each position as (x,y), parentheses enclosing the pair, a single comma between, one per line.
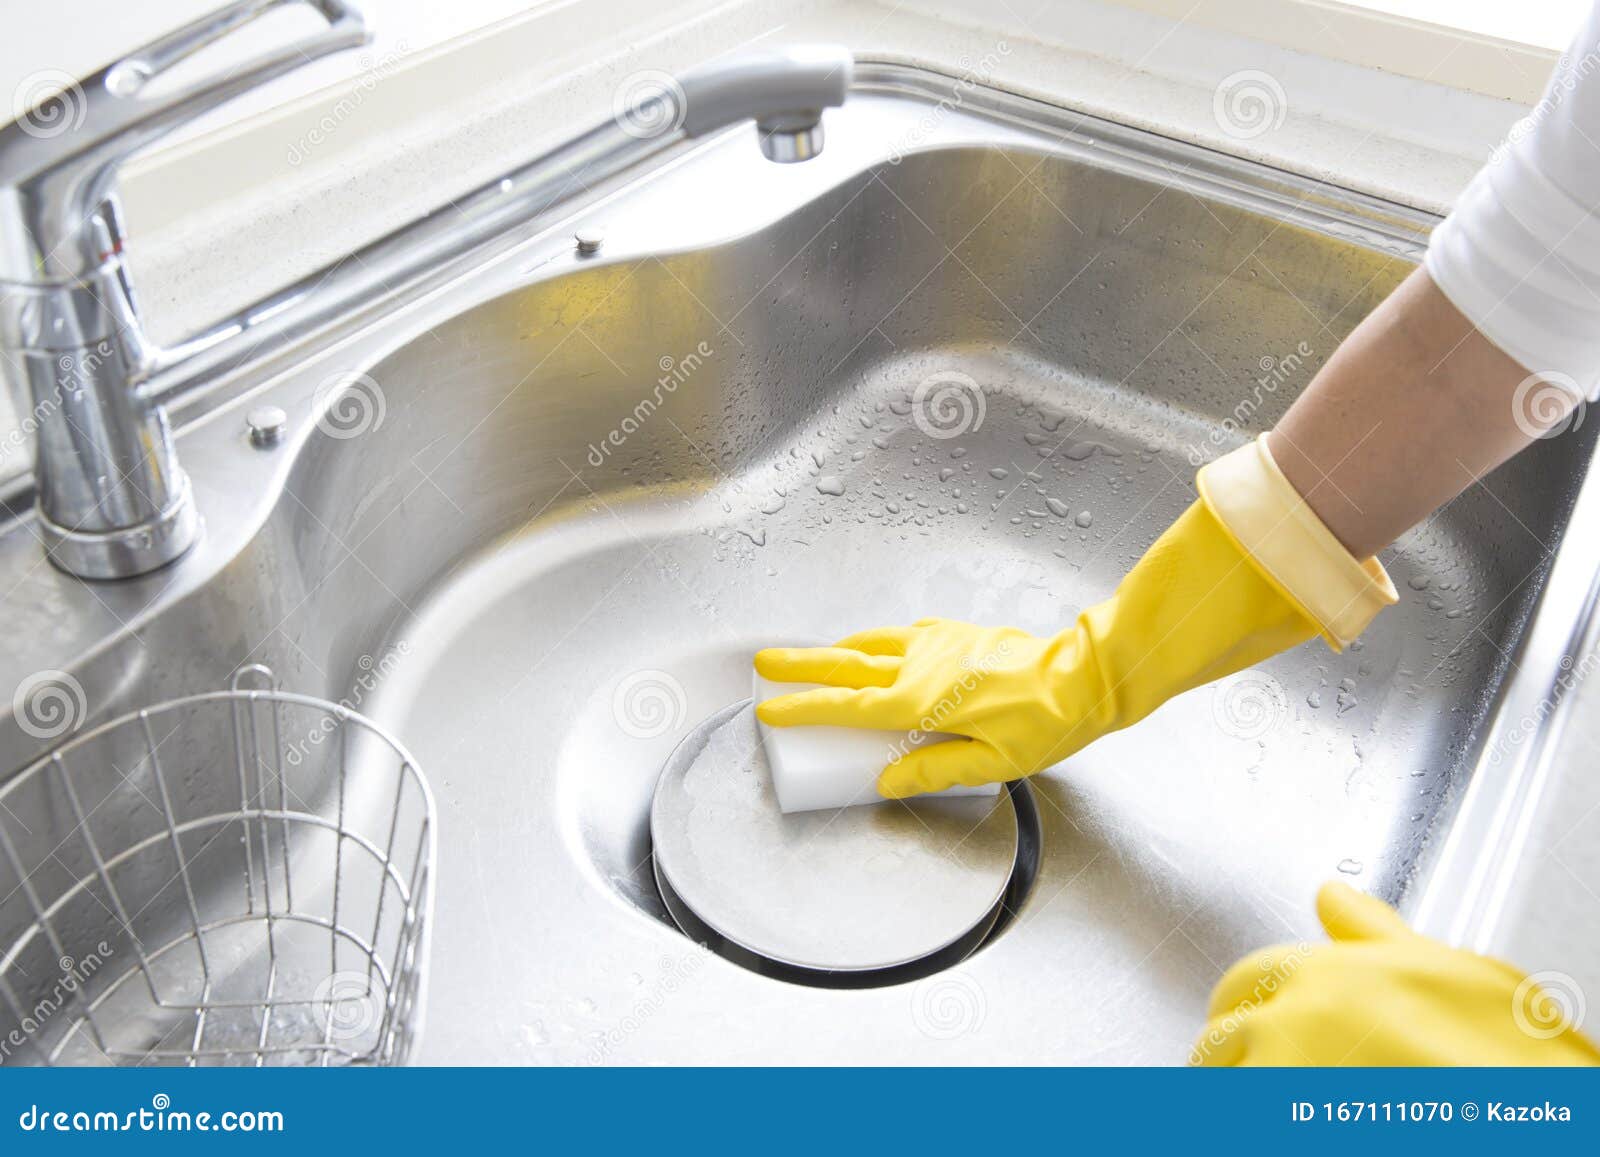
(1291,547)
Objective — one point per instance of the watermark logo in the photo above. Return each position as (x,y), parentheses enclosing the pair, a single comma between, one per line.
(1249,705)
(948,404)
(49,704)
(72,980)
(49,103)
(373,73)
(1275,372)
(1547,1004)
(349,404)
(1547,404)
(973,75)
(1249,103)
(675,972)
(949,1005)
(1276,969)
(675,371)
(648,704)
(1567,680)
(349,1006)
(649,104)
(372,674)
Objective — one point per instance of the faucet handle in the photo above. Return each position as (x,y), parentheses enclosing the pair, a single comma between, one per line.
(60,175)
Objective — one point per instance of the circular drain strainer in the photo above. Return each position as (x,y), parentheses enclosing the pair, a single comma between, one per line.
(849,898)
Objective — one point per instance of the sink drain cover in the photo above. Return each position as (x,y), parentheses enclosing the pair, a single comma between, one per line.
(842,895)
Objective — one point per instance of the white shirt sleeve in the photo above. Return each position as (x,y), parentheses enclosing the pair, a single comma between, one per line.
(1520,253)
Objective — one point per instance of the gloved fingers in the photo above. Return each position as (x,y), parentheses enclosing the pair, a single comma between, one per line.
(1256,979)
(878,641)
(1221,1043)
(826,707)
(944,764)
(1347,914)
(834,666)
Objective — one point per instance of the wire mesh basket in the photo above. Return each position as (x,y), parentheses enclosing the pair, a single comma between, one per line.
(238,877)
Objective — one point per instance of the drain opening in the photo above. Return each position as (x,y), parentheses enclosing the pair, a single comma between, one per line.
(858,898)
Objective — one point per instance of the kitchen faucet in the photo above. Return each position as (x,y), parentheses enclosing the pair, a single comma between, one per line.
(112,500)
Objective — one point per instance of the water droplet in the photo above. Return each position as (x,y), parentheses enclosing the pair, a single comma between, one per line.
(999,472)
(830,484)
(1079,451)
(1351,867)
(1084,519)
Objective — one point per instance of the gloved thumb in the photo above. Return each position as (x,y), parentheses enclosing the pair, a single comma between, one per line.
(1347,914)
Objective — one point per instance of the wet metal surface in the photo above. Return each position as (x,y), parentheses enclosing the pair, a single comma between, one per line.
(563,501)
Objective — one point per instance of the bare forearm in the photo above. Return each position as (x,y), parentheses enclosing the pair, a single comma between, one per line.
(1412,408)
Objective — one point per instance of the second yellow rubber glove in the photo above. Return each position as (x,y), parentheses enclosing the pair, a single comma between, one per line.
(1247,571)
(1380,994)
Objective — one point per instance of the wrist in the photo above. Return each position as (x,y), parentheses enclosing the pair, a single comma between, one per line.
(1290,546)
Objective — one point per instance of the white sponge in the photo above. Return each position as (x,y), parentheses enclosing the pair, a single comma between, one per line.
(816,768)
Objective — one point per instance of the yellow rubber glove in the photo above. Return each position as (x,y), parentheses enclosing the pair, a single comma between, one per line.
(1199,605)
(1380,994)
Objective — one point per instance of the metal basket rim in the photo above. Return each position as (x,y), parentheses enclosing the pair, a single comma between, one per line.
(339,710)
(420,902)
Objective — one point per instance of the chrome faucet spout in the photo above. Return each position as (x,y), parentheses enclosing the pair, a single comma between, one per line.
(112,499)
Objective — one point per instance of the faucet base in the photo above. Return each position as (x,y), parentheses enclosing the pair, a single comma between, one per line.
(127,551)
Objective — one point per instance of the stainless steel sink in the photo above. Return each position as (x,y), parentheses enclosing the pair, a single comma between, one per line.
(964,364)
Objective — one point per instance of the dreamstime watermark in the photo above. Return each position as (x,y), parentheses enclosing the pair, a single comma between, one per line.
(648,704)
(948,1005)
(349,1006)
(48,103)
(1249,705)
(1275,373)
(649,103)
(373,672)
(972,76)
(372,75)
(974,670)
(1570,675)
(49,704)
(349,404)
(674,373)
(1275,972)
(74,371)
(1547,1004)
(673,974)
(1564,80)
(74,976)
(1248,103)
(948,404)
(1547,404)
(18,435)
(160,1117)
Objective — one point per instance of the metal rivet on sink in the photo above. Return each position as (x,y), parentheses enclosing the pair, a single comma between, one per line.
(267,424)
(589,239)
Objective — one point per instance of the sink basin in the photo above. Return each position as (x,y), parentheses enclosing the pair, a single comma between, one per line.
(547,513)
